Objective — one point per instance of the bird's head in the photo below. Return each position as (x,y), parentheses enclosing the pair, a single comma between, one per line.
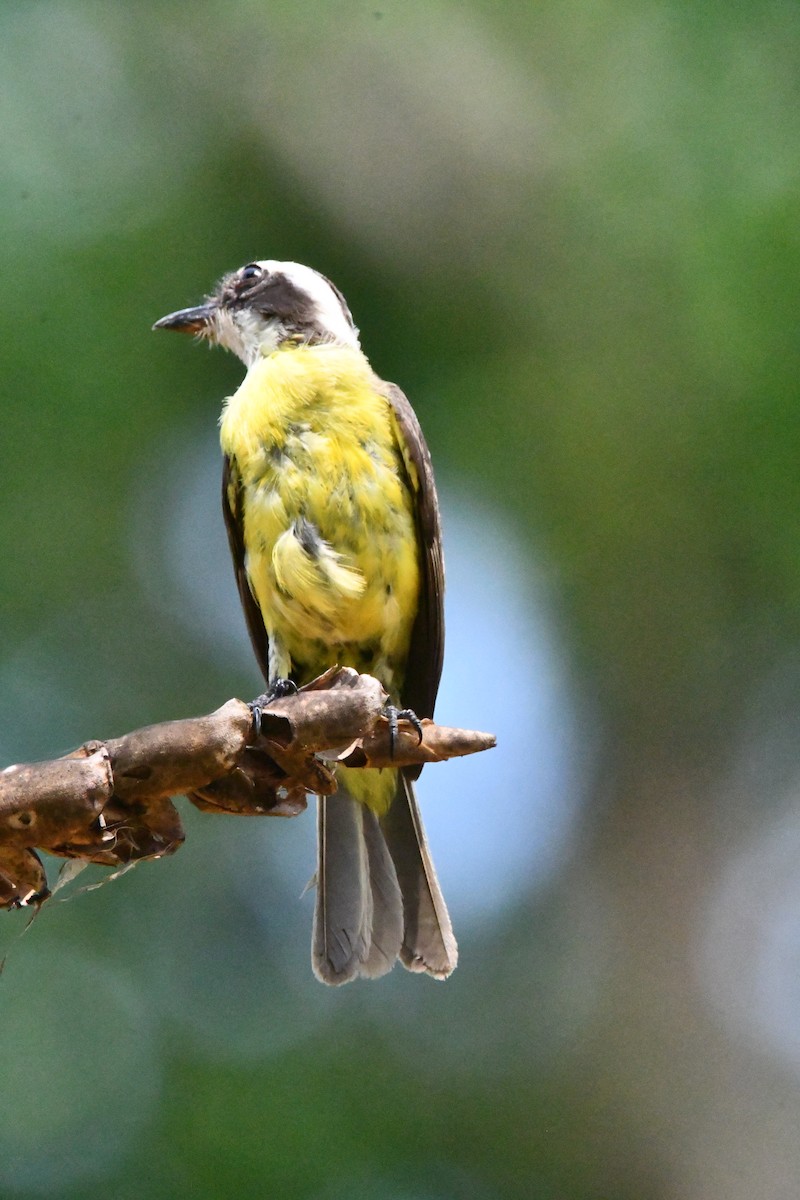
(255,309)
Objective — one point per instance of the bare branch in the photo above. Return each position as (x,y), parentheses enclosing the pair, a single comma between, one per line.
(109,802)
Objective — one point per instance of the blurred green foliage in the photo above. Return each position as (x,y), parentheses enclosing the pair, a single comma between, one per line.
(570,232)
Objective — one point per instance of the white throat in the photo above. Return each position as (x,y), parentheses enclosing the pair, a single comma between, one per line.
(247,334)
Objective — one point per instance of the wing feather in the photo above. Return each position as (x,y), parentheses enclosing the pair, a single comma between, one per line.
(234,523)
(427,639)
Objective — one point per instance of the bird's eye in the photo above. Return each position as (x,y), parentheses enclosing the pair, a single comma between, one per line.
(250,273)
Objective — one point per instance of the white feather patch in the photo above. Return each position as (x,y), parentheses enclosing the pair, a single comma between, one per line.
(327,305)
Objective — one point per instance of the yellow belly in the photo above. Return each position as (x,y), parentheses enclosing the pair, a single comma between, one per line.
(329,532)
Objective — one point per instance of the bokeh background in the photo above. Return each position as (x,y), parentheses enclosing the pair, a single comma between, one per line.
(570,232)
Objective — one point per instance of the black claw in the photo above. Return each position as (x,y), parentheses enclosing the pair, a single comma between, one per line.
(256,707)
(393,715)
(409,715)
(275,691)
(280,688)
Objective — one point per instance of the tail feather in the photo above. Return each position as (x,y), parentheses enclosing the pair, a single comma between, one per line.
(387,903)
(428,941)
(378,897)
(343,913)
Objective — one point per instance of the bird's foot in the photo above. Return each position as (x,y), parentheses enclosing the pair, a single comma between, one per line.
(276,691)
(393,716)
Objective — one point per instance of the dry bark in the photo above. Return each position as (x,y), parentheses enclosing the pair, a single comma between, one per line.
(110,802)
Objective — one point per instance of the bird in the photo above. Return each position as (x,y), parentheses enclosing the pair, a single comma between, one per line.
(333,524)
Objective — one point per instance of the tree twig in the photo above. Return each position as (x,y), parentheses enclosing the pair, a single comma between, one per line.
(109,802)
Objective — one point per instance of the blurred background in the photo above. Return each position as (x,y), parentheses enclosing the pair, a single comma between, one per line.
(570,232)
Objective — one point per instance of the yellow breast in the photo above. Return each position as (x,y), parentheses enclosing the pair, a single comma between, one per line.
(329,529)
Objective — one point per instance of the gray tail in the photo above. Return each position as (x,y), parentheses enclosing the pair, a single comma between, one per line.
(358,920)
(428,941)
(378,898)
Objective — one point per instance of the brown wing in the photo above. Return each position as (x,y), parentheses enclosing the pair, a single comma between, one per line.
(232,511)
(427,638)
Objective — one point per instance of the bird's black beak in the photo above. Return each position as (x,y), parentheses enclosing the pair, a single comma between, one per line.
(189,320)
